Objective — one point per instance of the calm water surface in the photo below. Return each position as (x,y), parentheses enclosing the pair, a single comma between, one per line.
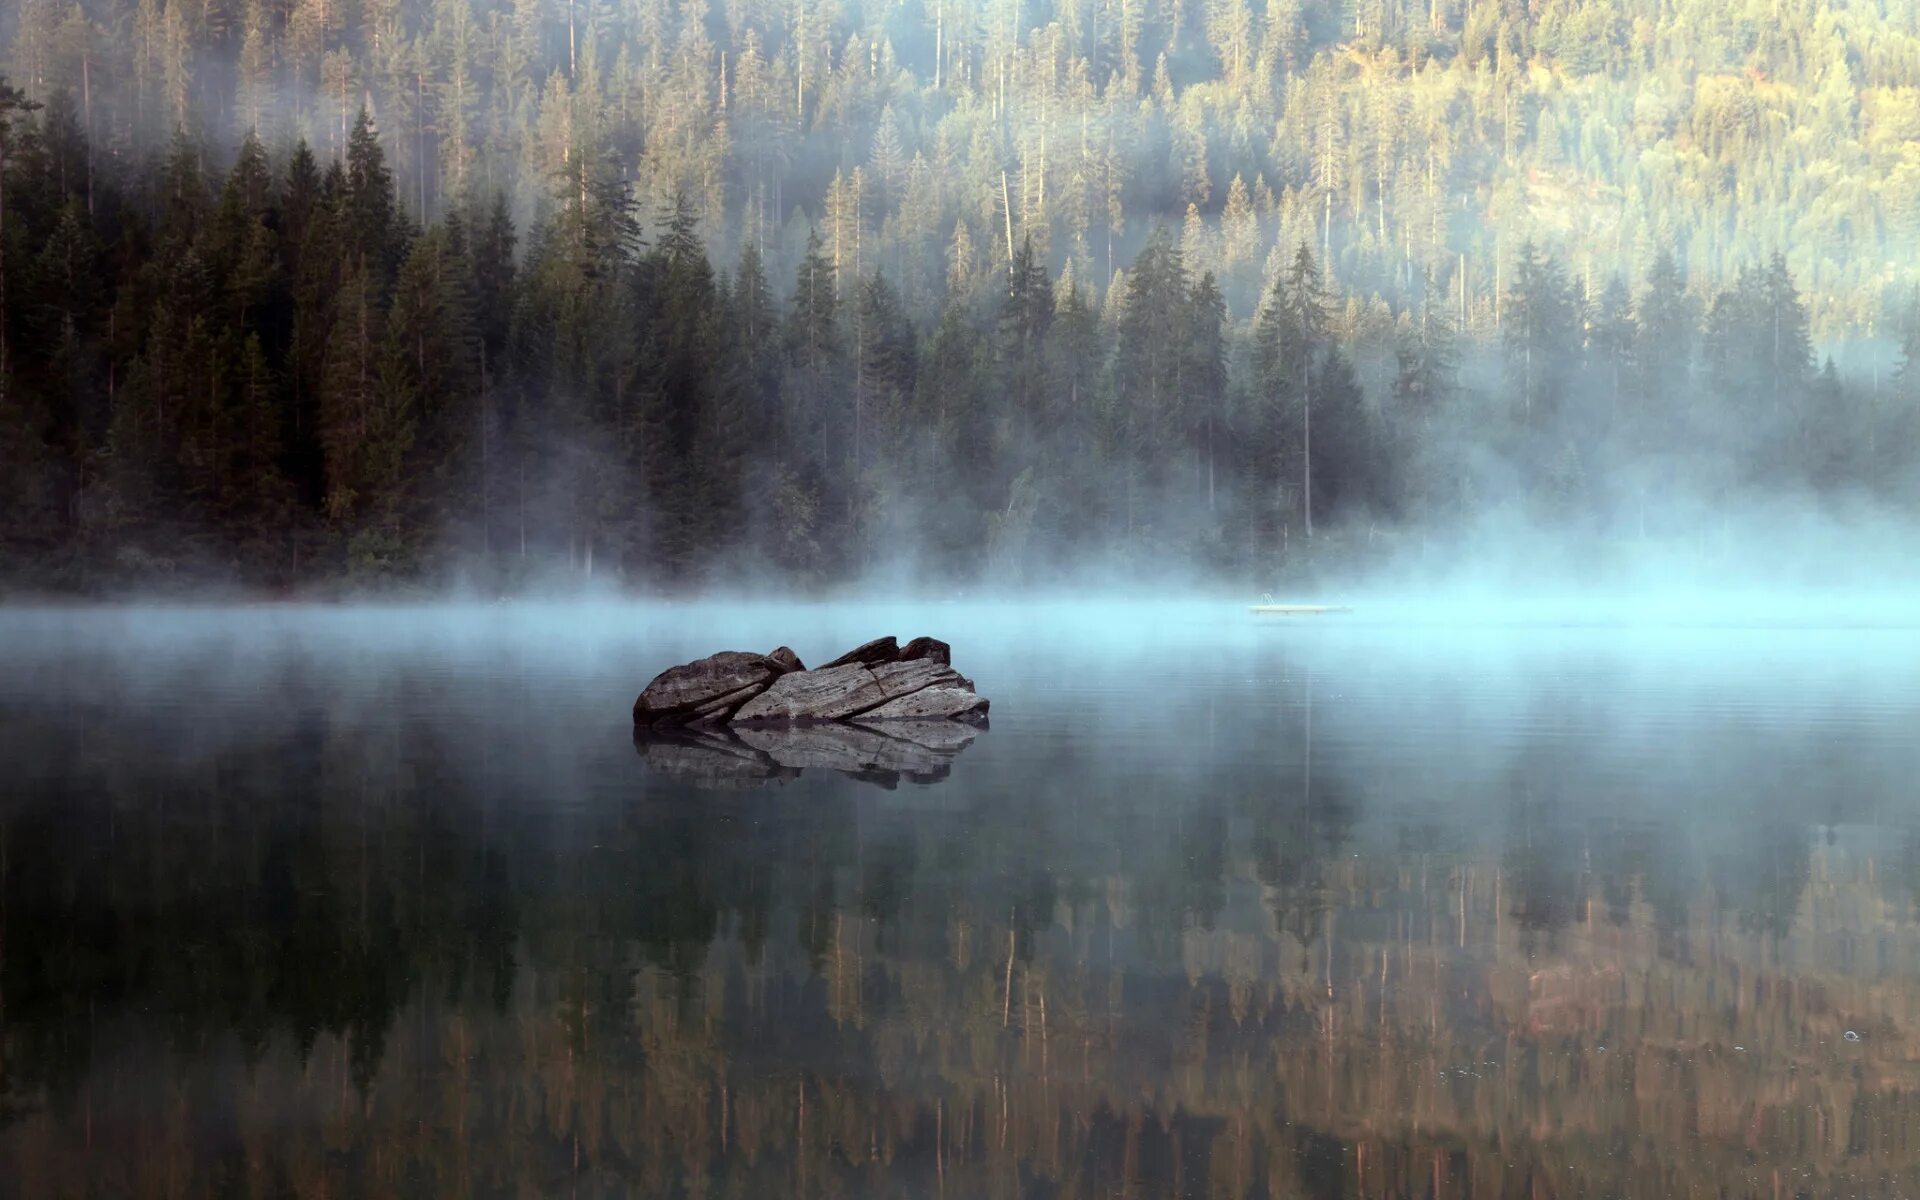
(367,903)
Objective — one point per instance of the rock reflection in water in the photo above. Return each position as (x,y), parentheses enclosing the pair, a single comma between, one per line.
(747,757)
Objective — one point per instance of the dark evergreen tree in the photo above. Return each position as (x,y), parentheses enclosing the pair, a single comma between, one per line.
(350,396)
(1149,366)
(1206,379)
(182,201)
(1610,345)
(299,198)
(953,452)
(1541,334)
(1425,362)
(433,347)
(1291,338)
(492,272)
(1665,322)
(370,222)
(885,373)
(1025,314)
(753,335)
(676,382)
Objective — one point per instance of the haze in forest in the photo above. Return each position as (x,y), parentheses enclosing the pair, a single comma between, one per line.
(491,297)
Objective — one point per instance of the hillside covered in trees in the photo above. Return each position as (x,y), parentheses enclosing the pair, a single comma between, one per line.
(505,292)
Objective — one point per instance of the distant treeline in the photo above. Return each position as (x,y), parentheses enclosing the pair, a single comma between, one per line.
(1399,138)
(275,376)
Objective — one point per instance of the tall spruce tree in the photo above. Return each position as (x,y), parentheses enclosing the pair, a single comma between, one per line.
(1292,337)
(679,352)
(1541,334)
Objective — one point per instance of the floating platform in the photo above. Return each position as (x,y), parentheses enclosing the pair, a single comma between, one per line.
(1297,610)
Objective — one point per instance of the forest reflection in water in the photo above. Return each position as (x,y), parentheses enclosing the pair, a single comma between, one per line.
(1336,919)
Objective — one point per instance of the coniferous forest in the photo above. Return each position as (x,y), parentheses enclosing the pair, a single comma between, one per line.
(657,295)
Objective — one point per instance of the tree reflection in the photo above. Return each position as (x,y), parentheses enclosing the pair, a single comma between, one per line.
(394,980)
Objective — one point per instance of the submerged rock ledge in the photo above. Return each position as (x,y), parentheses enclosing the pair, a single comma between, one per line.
(880,680)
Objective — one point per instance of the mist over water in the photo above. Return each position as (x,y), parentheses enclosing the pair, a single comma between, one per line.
(384,899)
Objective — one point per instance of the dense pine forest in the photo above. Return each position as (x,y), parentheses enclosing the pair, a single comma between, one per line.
(541,293)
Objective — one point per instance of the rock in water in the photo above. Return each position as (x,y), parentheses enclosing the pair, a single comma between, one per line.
(836,693)
(706,689)
(876,682)
(926,647)
(787,659)
(951,703)
(878,650)
(822,694)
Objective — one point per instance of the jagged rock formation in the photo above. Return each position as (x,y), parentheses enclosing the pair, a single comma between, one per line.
(877,681)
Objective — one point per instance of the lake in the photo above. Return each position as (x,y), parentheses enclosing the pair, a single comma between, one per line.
(363,902)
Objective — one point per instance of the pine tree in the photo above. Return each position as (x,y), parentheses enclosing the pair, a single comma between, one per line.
(889,160)
(753,333)
(1784,339)
(1665,319)
(1540,331)
(1610,343)
(182,198)
(370,222)
(12,101)
(1291,338)
(360,387)
(813,325)
(954,456)
(1424,359)
(1025,313)
(433,353)
(1206,376)
(676,379)
(299,197)
(1347,466)
(268,497)
(885,372)
(1150,366)
(1906,372)
(321,271)
(1239,228)
(492,273)
(242,248)
(65,313)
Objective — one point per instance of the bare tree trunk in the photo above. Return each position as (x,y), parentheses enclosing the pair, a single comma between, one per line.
(86,93)
(420,139)
(1306,457)
(3,267)
(486,463)
(1006,207)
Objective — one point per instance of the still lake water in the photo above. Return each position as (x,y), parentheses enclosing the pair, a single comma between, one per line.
(367,903)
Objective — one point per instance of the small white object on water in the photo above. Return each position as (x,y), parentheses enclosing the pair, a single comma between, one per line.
(1851,1036)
